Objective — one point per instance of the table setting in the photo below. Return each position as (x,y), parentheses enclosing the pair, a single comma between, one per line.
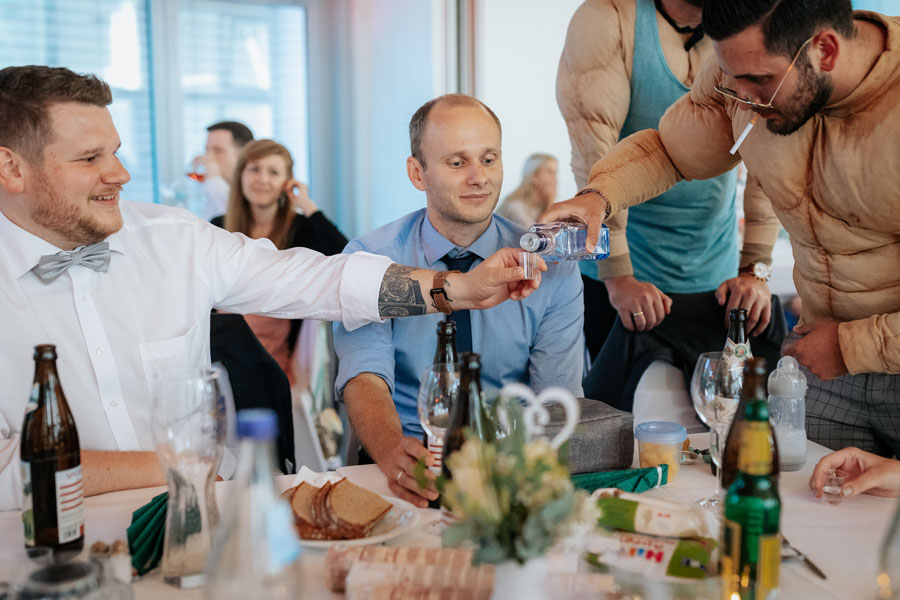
(524,526)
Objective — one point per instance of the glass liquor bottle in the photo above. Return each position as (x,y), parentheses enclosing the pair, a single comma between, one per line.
(564,240)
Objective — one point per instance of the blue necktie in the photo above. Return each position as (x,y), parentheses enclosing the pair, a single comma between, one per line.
(463,321)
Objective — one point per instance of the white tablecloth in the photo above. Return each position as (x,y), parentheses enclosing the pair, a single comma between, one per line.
(842,540)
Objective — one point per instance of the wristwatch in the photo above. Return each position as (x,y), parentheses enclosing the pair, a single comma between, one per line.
(760,270)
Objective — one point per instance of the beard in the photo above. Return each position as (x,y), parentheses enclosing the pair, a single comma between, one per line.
(66,219)
(813,92)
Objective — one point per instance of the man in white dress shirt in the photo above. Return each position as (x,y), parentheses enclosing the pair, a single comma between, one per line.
(147,308)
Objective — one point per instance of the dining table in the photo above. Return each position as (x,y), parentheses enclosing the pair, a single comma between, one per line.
(842,540)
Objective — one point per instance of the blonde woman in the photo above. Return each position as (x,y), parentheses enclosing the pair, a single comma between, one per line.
(263,203)
(536,192)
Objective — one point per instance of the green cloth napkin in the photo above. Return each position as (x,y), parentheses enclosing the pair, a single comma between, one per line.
(629,480)
(146,534)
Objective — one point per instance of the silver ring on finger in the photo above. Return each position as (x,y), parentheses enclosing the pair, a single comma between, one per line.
(399,475)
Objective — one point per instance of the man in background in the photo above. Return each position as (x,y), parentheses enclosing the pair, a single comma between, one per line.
(456,160)
(224,142)
(672,275)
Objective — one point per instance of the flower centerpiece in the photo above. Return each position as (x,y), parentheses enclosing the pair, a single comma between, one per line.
(510,498)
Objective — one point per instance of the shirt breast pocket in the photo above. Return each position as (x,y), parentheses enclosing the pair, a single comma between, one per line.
(173,353)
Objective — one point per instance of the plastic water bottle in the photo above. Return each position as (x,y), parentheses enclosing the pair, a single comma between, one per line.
(787,412)
(564,240)
(255,550)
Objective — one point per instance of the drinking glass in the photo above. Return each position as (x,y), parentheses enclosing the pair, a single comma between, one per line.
(438,392)
(703,396)
(703,386)
(187,423)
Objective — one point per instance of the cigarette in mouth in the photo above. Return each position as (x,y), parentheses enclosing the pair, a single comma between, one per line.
(744,134)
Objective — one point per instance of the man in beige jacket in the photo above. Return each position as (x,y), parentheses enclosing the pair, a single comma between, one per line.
(825,82)
(675,276)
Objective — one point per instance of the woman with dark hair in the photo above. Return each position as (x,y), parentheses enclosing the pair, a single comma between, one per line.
(263,203)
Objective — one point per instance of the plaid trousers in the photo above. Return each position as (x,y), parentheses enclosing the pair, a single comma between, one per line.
(854,410)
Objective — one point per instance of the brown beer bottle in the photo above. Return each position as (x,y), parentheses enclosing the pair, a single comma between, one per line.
(445,352)
(53,496)
(467,404)
(754,388)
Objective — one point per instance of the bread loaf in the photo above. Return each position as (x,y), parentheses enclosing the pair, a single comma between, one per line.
(340,559)
(339,511)
(418,581)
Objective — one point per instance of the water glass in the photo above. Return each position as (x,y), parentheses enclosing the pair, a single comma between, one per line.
(703,396)
(703,386)
(187,428)
(438,392)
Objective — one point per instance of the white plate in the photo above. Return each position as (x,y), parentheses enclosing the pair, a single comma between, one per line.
(402,517)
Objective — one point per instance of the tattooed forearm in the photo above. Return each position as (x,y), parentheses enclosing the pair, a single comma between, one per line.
(400,295)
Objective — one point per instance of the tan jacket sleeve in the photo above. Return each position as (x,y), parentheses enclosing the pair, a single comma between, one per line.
(693,140)
(871,345)
(593,91)
(760,225)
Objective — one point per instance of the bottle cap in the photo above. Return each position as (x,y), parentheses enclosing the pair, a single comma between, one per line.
(738,313)
(532,242)
(787,380)
(257,423)
(660,432)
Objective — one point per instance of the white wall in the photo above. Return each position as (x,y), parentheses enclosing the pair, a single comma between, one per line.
(517,49)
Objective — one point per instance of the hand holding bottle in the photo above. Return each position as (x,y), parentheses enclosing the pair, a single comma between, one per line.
(868,473)
(751,294)
(590,206)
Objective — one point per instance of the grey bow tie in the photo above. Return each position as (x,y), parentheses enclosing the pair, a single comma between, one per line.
(94,256)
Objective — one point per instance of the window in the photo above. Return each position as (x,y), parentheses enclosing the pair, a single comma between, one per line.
(243,62)
(174,68)
(105,37)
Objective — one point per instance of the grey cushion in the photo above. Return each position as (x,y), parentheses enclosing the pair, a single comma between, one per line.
(603,438)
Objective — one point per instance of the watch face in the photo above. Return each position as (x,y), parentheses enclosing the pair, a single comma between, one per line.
(762,271)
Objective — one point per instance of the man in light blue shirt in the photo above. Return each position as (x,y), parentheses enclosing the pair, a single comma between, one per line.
(456,161)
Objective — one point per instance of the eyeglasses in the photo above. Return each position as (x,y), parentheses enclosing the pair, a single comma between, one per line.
(730,93)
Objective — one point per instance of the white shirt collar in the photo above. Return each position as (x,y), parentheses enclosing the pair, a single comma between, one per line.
(23,249)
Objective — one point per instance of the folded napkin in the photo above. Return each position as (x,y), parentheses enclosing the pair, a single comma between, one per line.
(316,479)
(146,534)
(629,480)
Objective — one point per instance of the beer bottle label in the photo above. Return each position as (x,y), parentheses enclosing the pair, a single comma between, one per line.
(731,558)
(755,456)
(736,352)
(27,504)
(769,564)
(436,449)
(69,504)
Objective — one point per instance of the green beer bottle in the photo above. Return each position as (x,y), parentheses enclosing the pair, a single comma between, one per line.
(751,544)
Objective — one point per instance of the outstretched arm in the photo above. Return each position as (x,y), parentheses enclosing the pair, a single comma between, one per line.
(405,291)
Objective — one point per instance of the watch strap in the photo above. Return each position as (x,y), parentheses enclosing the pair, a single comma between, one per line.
(438,294)
(750,269)
(602,195)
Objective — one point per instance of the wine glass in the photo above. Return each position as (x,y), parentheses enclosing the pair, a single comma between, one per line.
(187,426)
(708,407)
(438,392)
